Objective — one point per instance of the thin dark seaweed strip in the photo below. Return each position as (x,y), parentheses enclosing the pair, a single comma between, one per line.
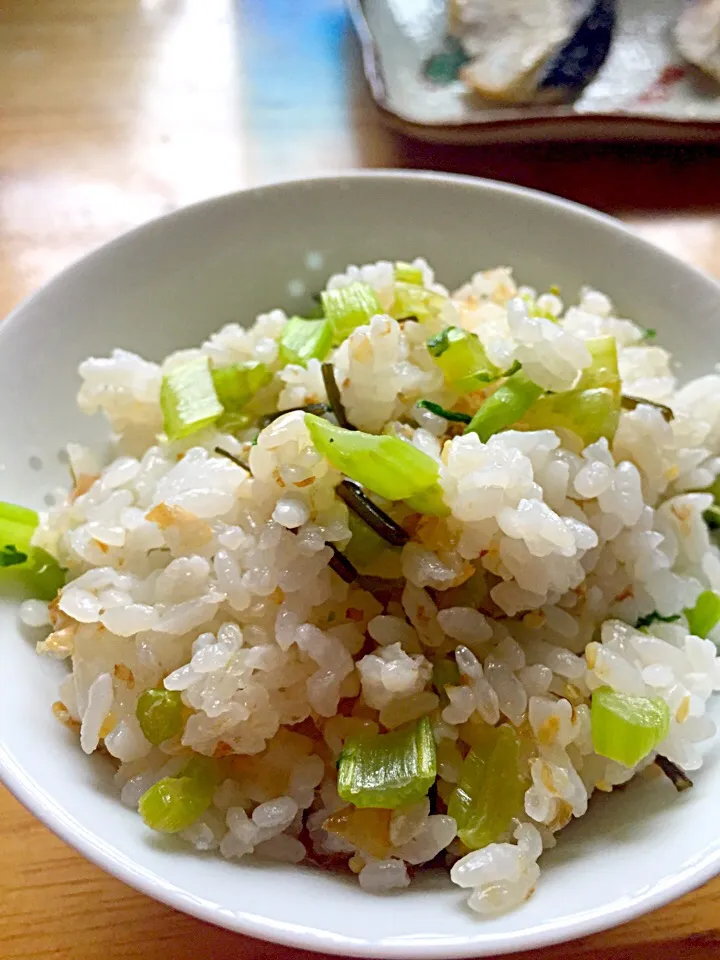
(383,590)
(340,563)
(342,566)
(680,780)
(352,494)
(631,403)
(236,460)
(433,798)
(317,408)
(333,395)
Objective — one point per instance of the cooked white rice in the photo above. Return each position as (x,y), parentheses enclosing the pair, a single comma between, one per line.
(186,570)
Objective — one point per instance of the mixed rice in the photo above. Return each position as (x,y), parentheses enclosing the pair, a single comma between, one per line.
(250,610)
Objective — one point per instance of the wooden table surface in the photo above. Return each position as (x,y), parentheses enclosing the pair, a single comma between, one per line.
(115,111)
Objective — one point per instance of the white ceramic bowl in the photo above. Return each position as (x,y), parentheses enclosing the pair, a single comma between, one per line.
(167,285)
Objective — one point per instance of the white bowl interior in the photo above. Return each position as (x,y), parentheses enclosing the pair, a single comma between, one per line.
(168,285)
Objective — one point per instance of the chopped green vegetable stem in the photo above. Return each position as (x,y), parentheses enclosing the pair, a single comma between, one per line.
(627,728)
(388,770)
(412,299)
(491,790)
(462,359)
(234,423)
(29,567)
(407,273)
(590,410)
(188,398)
(174,804)
(705,615)
(388,466)
(160,714)
(238,383)
(303,340)
(13,513)
(505,407)
(349,307)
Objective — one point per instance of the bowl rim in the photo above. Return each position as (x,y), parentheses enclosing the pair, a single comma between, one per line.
(34,798)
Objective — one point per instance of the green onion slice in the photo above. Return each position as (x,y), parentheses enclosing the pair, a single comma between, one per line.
(302,340)
(407,273)
(705,615)
(592,409)
(349,307)
(462,360)
(413,301)
(160,714)
(627,728)
(238,383)
(188,398)
(388,466)
(175,803)
(491,790)
(508,404)
(388,770)
(31,568)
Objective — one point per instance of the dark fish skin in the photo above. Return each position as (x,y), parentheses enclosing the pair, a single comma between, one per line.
(578,61)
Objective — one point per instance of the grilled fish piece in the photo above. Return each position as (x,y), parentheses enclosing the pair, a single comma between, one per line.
(532,50)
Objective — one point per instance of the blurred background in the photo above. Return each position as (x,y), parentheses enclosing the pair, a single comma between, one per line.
(116,111)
